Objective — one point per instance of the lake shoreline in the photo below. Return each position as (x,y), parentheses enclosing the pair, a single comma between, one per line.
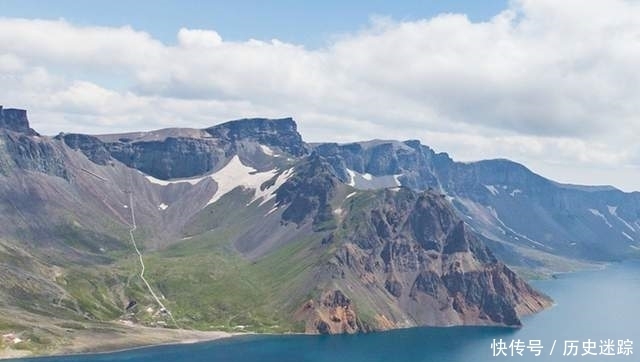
(145,337)
(88,343)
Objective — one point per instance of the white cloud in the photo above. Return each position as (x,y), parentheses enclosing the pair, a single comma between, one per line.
(544,82)
(196,38)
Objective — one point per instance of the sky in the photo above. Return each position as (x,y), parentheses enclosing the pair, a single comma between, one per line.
(551,84)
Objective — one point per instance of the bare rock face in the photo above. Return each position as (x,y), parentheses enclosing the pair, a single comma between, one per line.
(91,146)
(16,120)
(180,153)
(280,133)
(418,264)
(22,148)
(332,314)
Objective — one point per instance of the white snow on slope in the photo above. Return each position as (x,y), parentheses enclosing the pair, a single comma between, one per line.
(267,151)
(515,192)
(599,214)
(369,181)
(273,209)
(232,175)
(163,206)
(494,213)
(235,174)
(628,237)
(396,178)
(269,193)
(494,191)
(613,210)
(156,181)
(352,177)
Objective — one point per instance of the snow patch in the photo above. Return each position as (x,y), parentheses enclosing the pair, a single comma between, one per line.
(613,210)
(192,181)
(352,177)
(368,181)
(270,192)
(396,178)
(236,174)
(274,209)
(628,236)
(351,195)
(163,206)
(599,214)
(494,213)
(267,151)
(494,191)
(515,192)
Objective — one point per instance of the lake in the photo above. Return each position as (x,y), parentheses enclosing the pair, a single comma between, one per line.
(594,305)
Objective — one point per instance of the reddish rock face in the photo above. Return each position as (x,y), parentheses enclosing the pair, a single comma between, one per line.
(333,314)
(413,262)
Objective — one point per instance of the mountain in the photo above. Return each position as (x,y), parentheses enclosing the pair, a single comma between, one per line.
(244,226)
(524,216)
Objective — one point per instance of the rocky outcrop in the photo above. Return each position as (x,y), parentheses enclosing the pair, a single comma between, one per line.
(91,146)
(16,120)
(280,133)
(175,155)
(21,147)
(333,313)
(418,264)
(307,194)
(413,161)
(501,199)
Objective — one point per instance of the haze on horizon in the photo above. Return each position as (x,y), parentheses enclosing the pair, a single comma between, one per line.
(550,84)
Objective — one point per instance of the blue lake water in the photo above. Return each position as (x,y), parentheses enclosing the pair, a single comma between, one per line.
(595,305)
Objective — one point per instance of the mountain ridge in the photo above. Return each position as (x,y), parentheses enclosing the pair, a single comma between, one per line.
(246,220)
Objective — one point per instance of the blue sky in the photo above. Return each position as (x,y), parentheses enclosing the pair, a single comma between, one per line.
(311,23)
(551,84)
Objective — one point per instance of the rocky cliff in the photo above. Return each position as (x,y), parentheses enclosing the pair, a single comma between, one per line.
(402,259)
(182,153)
(502,200)
(15,120)
(22,148)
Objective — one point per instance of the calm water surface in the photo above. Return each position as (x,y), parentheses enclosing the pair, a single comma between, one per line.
(596,305)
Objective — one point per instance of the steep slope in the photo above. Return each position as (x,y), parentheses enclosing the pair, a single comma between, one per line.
(182,153)
(529,215)
(400,258)
(341,261)
(243,226)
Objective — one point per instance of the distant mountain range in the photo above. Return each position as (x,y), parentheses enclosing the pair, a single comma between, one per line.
(243,225)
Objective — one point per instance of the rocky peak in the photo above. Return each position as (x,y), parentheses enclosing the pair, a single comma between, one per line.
(308,193)
(412,248)
(379,158)
(16,120)
(91,146)
(282,133)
